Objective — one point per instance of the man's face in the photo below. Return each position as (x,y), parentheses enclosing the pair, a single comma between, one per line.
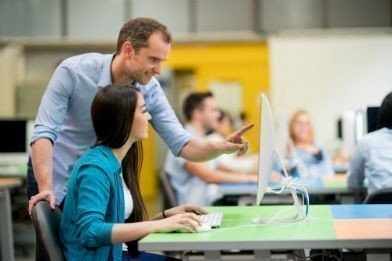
(147,61)
(210,114)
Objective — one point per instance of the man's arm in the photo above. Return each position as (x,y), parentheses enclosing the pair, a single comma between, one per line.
(209,175)
(42,152)
(179,141)
(50,117)
(202,150)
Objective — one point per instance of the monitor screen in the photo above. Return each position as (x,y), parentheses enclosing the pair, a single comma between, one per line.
(13,134)
(372,118)
(266,148)
(339,131)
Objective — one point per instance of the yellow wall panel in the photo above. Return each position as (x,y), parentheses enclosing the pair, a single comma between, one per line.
(245,63)
(148,179)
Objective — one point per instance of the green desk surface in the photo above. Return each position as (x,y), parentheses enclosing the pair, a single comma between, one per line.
(339,181)
(237,230)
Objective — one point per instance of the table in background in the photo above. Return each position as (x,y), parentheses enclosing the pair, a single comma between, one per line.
(335,185)
(328,227)
(6,238)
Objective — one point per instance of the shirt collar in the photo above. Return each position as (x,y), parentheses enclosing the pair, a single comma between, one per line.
(106,74)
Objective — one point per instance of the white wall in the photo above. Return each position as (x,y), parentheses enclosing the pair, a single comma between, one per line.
(327,73)
(30,18)
(279,14)
(224,15)
(173,13)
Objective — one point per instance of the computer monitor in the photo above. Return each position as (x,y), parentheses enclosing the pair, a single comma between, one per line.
(267,151)
(266,148)
(15,135)
(339,128)
(353,128)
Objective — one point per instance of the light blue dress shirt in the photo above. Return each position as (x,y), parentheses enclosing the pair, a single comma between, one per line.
(189,188)
(64,114)
(372,160)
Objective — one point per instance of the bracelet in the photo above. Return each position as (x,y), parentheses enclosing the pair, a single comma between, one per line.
(163,214)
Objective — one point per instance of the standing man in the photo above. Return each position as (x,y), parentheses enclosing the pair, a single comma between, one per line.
(63,128)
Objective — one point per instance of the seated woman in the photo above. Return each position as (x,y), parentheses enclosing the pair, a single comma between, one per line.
(308,159)
(372,158)
(104,187)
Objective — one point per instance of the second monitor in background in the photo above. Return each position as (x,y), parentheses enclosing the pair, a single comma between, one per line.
(14,141)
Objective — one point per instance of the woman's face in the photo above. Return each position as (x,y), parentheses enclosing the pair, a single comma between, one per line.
(302,128)
(140,120)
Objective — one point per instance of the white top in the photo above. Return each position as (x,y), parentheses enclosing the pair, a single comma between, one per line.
(128,206)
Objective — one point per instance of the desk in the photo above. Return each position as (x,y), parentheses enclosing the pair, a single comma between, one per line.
(13,170)
(6,237)
(328,227)
(335,185)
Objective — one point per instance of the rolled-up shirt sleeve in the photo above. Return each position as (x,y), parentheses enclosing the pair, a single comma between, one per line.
(165,121)
(54,105)
(92,200)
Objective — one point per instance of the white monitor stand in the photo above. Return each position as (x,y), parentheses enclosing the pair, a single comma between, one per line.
(266,158)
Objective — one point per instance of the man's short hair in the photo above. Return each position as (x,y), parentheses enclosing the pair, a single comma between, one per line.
(385,112)
(194,101)
(137,31)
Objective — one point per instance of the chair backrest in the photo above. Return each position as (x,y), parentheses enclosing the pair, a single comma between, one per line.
(380,196)
(47,224)
(170,198)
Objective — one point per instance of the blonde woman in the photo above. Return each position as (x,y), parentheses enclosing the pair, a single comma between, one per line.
(312,159)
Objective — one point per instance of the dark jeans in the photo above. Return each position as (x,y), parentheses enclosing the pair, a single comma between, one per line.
(145,256)
(32,185)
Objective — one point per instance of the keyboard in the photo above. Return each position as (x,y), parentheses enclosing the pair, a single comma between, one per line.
(212,219)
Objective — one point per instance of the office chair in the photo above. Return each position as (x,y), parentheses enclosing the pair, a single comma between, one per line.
(380,196)
(47,224)
(169,195)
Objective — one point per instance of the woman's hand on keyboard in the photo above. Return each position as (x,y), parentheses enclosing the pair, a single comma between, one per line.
(185,209)
(184,221)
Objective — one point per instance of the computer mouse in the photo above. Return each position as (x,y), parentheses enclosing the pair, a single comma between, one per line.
(193,223)
(203,228)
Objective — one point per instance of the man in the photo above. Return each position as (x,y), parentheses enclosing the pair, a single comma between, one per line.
(193,182)
(63,128)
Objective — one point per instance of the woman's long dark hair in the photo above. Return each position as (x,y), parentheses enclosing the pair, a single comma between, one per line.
(112,113)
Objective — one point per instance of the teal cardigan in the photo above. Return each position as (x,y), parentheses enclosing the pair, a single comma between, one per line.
(94,203)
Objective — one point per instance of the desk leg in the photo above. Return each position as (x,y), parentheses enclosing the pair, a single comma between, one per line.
(212,255)
(378,256)
(262,255)
(6,237)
